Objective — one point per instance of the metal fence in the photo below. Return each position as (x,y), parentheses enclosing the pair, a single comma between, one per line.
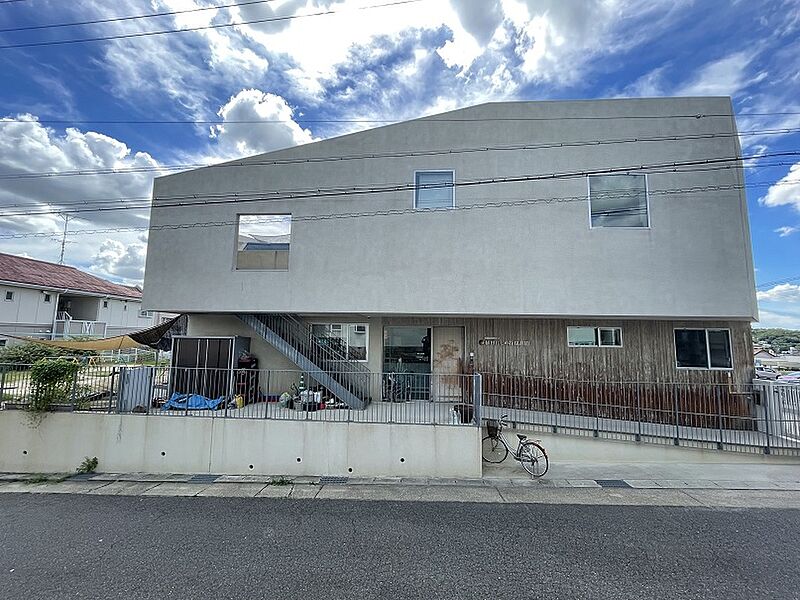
(402,398)
(762,417)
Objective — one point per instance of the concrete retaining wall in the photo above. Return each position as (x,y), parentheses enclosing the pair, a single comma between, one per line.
(138,443)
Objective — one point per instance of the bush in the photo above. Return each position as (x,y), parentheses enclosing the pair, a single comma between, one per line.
(52,382)
(29,353)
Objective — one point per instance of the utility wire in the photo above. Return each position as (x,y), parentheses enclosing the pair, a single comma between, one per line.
(134,17)
(421,120)
(380,155)
(91,205)
(39,210)
(273,196)
(141,34)
(354,190)
(267,218)
(778,282)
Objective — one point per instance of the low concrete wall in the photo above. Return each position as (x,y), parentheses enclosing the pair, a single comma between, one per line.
(154,444)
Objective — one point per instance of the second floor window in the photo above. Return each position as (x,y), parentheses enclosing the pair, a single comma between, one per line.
(434,189)
(263,242)
(618,201)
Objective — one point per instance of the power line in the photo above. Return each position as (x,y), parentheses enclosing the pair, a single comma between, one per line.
(134,17)
(305,194)
(353,190)
(685,191)
(380,155)
(141,34)
(92,205)
(421,120)
(778,282)
(329,216)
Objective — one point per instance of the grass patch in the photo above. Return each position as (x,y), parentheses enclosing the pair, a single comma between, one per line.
(45,478)
(280,481)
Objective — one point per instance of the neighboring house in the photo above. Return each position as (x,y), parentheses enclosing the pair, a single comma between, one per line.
(761,353)
(49,301)
(591,242)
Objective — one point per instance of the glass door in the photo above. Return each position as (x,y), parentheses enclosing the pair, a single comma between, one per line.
(407,352)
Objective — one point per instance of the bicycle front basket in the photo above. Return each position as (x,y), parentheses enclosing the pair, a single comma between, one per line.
(492,428)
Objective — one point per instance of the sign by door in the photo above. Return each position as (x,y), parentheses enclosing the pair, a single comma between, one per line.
(493,341)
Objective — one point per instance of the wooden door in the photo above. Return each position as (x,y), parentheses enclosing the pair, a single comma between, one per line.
(447,364)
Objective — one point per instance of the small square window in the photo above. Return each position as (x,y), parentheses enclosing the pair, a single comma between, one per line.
(3,343)
(9,296)
(581,336)
(105,303)
(618,201)
(609,336)
(434,189)
(263,242)
(47,298)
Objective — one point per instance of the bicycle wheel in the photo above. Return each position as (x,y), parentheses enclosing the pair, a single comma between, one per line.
(493,450)
(533,459)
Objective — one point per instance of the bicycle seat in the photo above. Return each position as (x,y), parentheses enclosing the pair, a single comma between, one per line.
(522,437)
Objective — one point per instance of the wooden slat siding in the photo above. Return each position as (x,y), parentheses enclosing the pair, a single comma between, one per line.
(621,383)
(647,353)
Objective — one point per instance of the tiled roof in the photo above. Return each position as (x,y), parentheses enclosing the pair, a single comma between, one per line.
(18,269)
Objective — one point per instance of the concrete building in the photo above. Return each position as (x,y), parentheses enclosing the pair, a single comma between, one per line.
(602,240)
(49,301)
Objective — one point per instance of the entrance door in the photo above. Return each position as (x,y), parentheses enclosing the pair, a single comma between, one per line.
(407,351)
(448,364)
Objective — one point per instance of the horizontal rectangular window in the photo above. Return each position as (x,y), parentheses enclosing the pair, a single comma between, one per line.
(703,349)
(434,189)
(594,336)
(263,242)
(344,339)
(618,201)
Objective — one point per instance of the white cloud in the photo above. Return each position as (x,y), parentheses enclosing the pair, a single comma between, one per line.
(236,139)
(771,319)
(118,260)
(787,230)
(28,148)
(786,191)
(723,77)
(784,292)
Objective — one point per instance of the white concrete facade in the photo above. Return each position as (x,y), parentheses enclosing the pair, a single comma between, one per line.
(539,258)
(135,443)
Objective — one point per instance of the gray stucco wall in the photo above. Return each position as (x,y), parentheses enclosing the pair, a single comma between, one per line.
(537,259)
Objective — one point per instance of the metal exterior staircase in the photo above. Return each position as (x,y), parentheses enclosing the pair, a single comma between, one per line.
(347,379)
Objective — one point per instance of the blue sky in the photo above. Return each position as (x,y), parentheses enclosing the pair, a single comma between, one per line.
(391,62)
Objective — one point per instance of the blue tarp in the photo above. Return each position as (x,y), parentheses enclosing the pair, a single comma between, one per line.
(194,401)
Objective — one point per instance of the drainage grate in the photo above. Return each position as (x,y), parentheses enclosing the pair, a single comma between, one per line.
(203,478)
(332,479)
(612,483)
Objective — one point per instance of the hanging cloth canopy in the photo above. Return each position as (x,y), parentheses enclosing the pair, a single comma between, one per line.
(144,338)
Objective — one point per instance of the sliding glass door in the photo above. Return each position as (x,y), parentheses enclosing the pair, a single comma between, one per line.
(407,350)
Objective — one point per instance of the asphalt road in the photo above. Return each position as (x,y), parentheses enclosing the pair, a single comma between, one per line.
(71,546)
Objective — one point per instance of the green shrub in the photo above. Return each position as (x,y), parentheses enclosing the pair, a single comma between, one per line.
(52,382)
(29,353)
(88,465)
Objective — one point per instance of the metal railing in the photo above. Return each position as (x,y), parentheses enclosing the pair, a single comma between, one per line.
(351,374)
(93,388)
(758,417)
(401,398)
(75,327)
(762,417)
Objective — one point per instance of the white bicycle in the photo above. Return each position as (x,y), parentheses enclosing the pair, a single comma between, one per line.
(495,449)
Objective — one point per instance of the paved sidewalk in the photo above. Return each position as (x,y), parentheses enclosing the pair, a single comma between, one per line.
(726,485)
